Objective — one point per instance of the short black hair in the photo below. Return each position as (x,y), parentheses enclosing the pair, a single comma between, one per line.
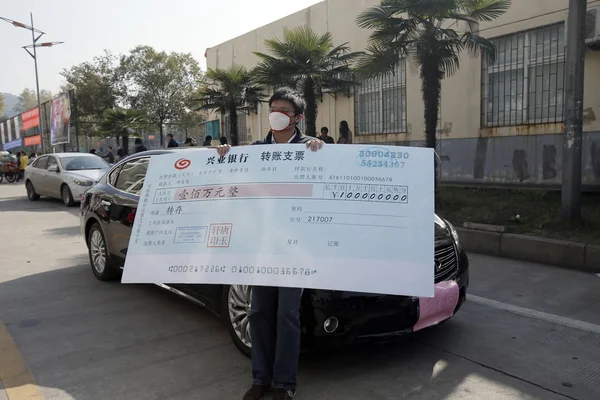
(325,130)
(110,147)
(170,135)
(289,94)
(138,141)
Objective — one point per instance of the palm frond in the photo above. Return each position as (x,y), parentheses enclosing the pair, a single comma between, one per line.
(484,10)
(476,43)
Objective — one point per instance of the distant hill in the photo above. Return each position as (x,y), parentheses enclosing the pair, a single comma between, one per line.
(10,102)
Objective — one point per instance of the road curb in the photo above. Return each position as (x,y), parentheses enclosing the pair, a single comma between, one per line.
(559,253)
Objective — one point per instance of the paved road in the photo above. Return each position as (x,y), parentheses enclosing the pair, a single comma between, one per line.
(526,332)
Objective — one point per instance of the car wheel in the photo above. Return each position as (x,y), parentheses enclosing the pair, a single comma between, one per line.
(99,260)
(235,313)
(67,197)
(31,193)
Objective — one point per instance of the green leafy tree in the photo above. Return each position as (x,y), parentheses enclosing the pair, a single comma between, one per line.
(426,30)
(311,64)
(226,91)
(159,84)
(120,123)
(95,85)
(28,99)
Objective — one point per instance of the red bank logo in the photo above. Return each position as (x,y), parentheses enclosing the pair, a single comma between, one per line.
(182,163)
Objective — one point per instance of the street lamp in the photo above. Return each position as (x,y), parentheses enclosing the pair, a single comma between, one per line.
(33,46)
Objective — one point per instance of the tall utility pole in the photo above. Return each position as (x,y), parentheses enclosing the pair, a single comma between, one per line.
(572,140)
(34,45)
(37,82)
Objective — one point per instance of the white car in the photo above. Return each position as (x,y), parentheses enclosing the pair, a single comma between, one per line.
(63,176)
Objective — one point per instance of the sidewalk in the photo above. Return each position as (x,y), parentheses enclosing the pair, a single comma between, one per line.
(573,255)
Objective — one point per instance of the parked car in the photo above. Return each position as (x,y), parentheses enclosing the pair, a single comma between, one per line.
(328,317)
(63,176)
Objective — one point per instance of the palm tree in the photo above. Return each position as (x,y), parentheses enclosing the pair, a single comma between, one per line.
(311,64)
(424,29)
(227,91)
(120,122)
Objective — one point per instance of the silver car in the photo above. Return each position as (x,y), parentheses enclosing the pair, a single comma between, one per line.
(63,176)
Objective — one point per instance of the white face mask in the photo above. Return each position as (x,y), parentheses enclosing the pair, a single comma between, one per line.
(279,121)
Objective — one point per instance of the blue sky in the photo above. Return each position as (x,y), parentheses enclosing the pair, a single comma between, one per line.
(89,26)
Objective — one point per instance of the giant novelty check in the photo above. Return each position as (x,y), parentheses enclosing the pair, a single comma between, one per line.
(348,217)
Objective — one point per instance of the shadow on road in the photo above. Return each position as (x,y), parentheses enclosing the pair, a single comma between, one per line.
(44,204)
(86,339)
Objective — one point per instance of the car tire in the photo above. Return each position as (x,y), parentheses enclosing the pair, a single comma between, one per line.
(235,303)
(31,193)
(100,262)
(67,196)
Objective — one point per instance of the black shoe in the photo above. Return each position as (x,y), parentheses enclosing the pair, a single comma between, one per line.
(256,392)
(284,394)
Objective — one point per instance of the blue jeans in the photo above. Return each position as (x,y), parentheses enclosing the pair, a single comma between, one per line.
(275,331)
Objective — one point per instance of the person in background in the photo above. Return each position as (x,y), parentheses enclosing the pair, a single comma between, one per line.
(110,156)
(120,154)
(207,141)
(139,146)
(94,152)
(345,133)
(172,142)
(275,311)
(223,140)
(325,135)
(189,142)
(23,160)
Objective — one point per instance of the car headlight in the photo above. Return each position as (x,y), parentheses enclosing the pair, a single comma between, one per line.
(454,234)
(83,182)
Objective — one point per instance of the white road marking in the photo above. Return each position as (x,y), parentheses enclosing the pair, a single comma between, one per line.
(539,315)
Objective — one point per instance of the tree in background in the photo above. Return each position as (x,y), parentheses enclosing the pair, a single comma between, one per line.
(226,91)
(191,123)
(311,64)
(424,29)
(120,123)
(28,99)
(159,84)
(1,104)
(95,86)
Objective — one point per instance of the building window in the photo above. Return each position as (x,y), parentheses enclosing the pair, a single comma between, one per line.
(526,83)
(381,103)
(241,124)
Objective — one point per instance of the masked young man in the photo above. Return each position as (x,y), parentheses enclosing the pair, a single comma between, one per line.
(275,312)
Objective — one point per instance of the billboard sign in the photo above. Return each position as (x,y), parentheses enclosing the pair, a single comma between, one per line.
(60,126)
(30,119)
(13,144)
(32,140)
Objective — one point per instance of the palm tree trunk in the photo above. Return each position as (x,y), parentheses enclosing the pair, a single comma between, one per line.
(431,78)
(162,139)
(233,125)
(125,137)
(310,113)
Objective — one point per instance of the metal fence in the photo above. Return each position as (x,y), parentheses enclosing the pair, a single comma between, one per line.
(525,85)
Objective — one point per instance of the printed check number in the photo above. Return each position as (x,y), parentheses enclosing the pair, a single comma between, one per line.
(356,218)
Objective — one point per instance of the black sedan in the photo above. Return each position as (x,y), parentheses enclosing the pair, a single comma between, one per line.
(328,317)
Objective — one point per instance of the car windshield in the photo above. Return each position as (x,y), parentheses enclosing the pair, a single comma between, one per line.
(82,162)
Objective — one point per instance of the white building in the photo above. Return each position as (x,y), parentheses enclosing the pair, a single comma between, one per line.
(499,124)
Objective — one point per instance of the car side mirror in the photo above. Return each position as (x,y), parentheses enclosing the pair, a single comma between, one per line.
(53,168)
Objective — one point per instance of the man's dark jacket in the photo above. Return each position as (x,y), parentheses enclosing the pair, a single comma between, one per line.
(172,143)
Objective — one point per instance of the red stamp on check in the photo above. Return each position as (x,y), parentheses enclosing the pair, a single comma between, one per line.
(219,235)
